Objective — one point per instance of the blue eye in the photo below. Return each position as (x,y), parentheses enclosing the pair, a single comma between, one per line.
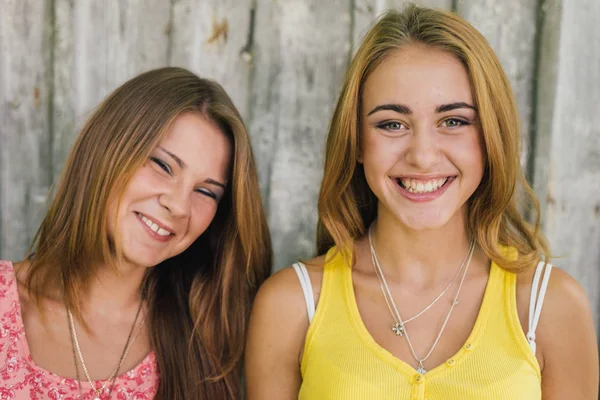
(163,165)
(391,125)
(455,122)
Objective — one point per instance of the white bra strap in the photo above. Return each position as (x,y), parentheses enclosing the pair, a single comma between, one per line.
(304,279)
(537,300)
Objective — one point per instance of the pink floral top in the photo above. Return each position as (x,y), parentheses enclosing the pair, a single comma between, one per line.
(21,378)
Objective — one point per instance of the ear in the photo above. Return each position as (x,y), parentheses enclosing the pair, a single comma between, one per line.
(359,156)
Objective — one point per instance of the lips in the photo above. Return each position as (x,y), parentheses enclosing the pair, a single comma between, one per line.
(155,226)
(421,189)
(422,186)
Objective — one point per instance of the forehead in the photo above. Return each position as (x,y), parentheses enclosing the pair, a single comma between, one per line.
(199,143)
(418,76)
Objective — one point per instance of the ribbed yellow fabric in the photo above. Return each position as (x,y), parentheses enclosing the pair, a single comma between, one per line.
(342,361)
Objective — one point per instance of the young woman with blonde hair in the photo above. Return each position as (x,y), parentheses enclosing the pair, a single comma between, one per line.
(148,258)
(423,286)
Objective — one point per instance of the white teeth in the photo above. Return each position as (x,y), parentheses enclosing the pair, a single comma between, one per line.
(415,186)
(155,227)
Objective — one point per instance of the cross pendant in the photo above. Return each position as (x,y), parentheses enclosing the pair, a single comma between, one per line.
(398,329)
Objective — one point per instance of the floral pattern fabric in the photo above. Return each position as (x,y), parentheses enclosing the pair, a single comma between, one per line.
(21,378)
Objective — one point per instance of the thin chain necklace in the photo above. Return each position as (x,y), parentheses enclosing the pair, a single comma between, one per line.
(396,314)
(398,328)
(113,375)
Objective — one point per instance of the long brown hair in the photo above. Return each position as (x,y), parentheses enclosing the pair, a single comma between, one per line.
(346,204)
(198,302)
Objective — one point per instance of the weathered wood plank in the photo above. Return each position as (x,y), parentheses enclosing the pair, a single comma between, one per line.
(265,81)
(546,86)
(208,37)
(570,175)
(305,87)
(509,26)
(366,12)
(24,133)
(98,46)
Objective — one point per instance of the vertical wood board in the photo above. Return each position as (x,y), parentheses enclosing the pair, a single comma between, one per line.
(99,46)
(510,26)
(311,71)
(264,83)
(572,207)
(208,37)
(24,134)
(365,13)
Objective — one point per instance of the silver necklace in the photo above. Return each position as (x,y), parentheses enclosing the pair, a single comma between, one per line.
(113,375)
(398,328)
(396,314)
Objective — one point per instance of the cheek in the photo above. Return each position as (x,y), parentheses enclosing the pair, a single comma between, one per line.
(380,154)
(111,213)
(202,216)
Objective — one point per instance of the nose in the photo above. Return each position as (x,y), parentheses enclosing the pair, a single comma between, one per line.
(423,151)
(176,201)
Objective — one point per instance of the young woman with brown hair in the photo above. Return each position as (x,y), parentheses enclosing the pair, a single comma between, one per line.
(424,284)
(148,258)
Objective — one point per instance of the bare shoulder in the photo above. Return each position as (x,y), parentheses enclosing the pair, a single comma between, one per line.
(565,300)
(566,307)
(565,337)
(282,293)
(565,293)
(21,272)
(276,335)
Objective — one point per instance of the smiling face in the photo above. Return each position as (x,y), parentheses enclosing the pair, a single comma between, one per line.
(172,199)
(420,139)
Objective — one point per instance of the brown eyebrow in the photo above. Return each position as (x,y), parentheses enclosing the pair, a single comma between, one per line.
(216,183)
(174,157)
(454,106)
(182,164)
(399,108)
(402,109)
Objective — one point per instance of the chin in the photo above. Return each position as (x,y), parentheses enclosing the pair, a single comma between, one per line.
(146,261)
(424,222)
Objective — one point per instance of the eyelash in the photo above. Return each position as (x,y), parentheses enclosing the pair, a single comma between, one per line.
(165,167)
(461,122)
(386,124)
(207,193)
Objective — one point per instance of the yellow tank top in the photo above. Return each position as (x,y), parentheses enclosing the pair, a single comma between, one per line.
(341,360)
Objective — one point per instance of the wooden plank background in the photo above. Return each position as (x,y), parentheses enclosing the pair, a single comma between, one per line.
(282,61)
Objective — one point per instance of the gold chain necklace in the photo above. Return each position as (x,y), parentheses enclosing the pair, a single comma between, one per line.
(113,375)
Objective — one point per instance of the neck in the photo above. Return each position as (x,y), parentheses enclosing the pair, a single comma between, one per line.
(421,258)
(114,292)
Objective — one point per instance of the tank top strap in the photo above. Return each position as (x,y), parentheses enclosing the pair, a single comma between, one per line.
(331,296)
(337,266)
(510,318)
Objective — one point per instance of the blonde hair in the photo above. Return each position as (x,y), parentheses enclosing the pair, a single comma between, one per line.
(346,204)
(198,301)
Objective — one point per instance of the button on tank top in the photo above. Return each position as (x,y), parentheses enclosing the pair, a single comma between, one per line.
(341,360)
